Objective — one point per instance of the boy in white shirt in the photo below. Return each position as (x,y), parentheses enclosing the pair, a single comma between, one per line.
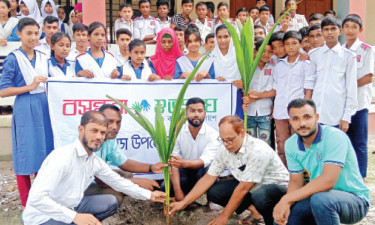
(163,10)
(264,15)
(204,25)
(123,38)
(50,27)
(298,20)
(125,20)
(80,36)
(146,27)
(358,129)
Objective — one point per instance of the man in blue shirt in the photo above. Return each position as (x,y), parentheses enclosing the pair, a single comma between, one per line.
(336,192)
(113,155)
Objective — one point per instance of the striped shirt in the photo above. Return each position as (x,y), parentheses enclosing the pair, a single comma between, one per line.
(179,19)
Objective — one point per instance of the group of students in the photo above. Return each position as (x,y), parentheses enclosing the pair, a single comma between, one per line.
(298,62)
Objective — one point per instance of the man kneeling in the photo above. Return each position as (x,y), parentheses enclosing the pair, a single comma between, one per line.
(56,196)
(260,176)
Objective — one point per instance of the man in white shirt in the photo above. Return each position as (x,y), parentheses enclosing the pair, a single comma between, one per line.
(57,192)
(195,148)
(298,20)
(260,176)
(335,81)
(50,27)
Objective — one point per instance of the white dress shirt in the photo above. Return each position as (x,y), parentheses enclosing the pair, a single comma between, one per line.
(165,23)
(335,86)
(73,54)
(204,28)
(203,147)
(290,82)
(267,27)
(64,176)
(298,22)
(120,59)
(121,23)
(262,81)
(144,27)
(365,65)
(255,162)
(44,47)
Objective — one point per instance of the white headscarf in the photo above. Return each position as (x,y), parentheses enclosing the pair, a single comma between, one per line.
(225,66)
(70,25)
(54,12)
(34,12)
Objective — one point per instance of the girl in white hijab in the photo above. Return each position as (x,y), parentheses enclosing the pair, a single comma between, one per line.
(29,8)
(8,25)
(48,8)
(63,26)
(72,20)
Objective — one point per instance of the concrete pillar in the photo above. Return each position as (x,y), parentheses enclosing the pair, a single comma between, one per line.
(93,12)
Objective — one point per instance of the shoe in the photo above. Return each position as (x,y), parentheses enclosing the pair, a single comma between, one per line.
(215,207)
(252,221)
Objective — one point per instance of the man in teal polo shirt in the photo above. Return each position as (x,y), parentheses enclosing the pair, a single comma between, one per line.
(113,155)
(336,192)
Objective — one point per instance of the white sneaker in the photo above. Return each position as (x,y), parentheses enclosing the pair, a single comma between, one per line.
(215,207)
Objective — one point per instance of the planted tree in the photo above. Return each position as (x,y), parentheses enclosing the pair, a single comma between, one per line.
(163,143)
(245,50)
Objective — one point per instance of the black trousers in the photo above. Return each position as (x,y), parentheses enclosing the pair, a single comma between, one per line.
(264,199)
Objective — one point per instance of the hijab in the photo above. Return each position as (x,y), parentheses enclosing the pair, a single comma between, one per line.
(70,25)
(44,3)
(34,12)
(165,62)
(225,65)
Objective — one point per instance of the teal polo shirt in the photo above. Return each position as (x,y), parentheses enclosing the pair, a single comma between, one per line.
(331,146)
(111,153)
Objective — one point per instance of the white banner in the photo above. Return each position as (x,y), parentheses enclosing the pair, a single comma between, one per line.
(68,99)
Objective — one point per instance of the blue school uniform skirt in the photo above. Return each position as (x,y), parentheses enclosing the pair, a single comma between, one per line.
(32,138)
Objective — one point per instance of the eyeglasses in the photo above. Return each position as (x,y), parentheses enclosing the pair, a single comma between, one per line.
(228,141)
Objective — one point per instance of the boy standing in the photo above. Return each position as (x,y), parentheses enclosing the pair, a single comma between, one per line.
(285,23)
(123,38)
(292,79)
(352,26)
(80,36)
(125,20)
(304,31)
(316,38)
(335,89)
(223,12)
(204,25)
(146,27)
(50,27)
(163,10)
(264,15)
(183,18)
(180,33)
(209,42)
(298,20)
(259,102)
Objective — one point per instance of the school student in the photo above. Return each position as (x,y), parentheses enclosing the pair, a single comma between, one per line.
(259,31)
(50,27)
(58,65)
(73,19)
(209,42)
(61,15)
(259,4)
(292,79)
(48,8)
(298,20)
(358,129)
(304,31)
(24,74)
(138,67)
(97,62)
(242,15)
(163,9)
(254,13)
(264,14)
(316,38)
(180,32)
(285,23)
(210,10)
(329,13)
(204,25)
(80,36)
(259,102)
(123,38)
(277,44)
(315,18)
(14,8)
(29,8)
(183,19)
(335,80)
(125,20)
(223,13)
(167,51)
(8,28)
(185,64)
(146,27)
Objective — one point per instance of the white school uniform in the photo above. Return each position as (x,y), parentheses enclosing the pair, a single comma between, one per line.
(290,82)
(127,69)
(55,71)
(268,26)
(334,84)
(186,66)
(7,30)
(298,22)
(164,24)
(120,59)
(73,54)
(365,65)
(29,72)
(204,28)
(122,23)
(144,27)
(87,62)
(262,81)
(44,47)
